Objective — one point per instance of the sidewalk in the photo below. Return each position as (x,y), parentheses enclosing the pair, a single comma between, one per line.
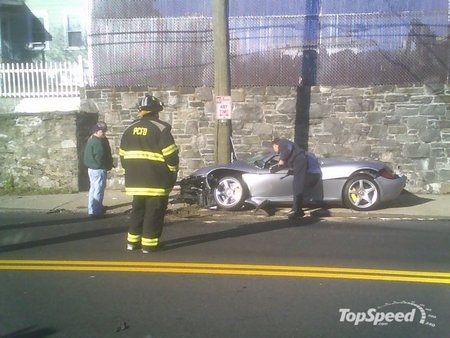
(406,206)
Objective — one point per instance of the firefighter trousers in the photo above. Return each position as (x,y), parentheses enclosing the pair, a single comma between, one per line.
(147,218)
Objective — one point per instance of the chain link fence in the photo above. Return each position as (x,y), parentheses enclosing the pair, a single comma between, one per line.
(133,43)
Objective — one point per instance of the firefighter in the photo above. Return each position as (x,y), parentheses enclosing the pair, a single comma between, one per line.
(149,156)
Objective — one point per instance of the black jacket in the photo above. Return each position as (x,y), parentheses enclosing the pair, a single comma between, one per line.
(149,155)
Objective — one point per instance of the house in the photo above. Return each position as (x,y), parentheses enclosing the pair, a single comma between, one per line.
(65,21)
(42,30)
(22,34)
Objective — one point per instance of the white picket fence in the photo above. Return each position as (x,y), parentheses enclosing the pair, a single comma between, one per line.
(49,79)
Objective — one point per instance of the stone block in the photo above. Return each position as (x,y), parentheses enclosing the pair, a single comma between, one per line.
(378,132)
(416,150)
(434,110)
(444,175)
(88,106)
(435,88)
(348,91)
(260,91)
(194,164)
(396,98)
(361,150)
(424,164)
(248,112)
(320,111)
(278,91)
(191,127)
(374,117)
(263,129)
(190,154)
(428,135)
(382,89)
(445,135)
(416,122)
(196,104)
(421,99)
(442,99)
(438,152)
(237,95)
(445,188)
(394,130)
(186,90)
(286,106)
(204,93)
(407,110)
(324,89)
(93,94)
(412,90)
(337,100)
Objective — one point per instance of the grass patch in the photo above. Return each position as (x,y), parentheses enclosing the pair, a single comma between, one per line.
(35,191)
(10,188)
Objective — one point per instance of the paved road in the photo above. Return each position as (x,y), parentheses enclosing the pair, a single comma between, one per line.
(63,275)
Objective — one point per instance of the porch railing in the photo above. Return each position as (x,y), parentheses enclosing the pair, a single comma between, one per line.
(49,79)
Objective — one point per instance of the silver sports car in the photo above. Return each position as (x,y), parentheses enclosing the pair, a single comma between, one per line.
(356,184)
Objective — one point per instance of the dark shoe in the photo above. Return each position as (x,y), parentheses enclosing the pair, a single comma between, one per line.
(294,214)
(132,247)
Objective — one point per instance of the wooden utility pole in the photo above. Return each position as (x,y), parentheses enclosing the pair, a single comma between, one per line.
(222,80)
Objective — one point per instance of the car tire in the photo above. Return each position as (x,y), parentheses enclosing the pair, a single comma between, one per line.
(361,192)
(229,193)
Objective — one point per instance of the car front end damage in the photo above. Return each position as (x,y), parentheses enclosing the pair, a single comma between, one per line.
(195,190)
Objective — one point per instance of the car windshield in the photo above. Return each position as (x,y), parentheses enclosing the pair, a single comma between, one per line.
(259,159)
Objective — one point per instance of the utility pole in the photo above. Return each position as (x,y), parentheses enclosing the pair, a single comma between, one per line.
(222,80)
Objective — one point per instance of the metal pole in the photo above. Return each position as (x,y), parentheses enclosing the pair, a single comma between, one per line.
(222,79)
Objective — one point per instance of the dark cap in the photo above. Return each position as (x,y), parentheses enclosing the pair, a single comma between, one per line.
(98,127)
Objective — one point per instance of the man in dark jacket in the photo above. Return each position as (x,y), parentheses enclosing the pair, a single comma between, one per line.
(292,157)
(98,160)
(150,158)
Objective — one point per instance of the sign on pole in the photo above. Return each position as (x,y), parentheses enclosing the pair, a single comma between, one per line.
(223,107)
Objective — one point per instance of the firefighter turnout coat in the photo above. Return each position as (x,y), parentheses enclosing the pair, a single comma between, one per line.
(149,155)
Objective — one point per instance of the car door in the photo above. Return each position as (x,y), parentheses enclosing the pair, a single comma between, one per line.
(265,185)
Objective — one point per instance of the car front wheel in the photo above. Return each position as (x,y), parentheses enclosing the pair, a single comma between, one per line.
(229,193)
(361,193)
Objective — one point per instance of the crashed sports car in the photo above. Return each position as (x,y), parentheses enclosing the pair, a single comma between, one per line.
(356,184)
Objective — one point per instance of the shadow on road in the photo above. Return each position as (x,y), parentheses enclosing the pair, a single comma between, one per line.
(57,221)
(31,332)
(242,230)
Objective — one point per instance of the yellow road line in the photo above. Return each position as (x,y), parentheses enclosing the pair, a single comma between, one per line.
(230,269)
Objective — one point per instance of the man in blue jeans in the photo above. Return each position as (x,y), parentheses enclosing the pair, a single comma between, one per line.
(98,159)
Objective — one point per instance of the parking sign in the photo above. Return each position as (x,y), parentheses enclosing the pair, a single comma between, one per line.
(223,107)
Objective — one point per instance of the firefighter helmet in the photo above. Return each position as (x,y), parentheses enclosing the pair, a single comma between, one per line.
(150,104)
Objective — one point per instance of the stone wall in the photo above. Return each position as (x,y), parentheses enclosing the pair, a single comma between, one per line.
(39,150)
(408,127)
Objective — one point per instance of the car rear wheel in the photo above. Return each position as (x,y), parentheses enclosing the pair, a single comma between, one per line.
(229,193)
(361,193)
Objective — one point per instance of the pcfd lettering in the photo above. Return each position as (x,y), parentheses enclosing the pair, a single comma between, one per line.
(140,131)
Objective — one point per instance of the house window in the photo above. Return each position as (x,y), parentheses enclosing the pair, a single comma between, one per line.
(75,36)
